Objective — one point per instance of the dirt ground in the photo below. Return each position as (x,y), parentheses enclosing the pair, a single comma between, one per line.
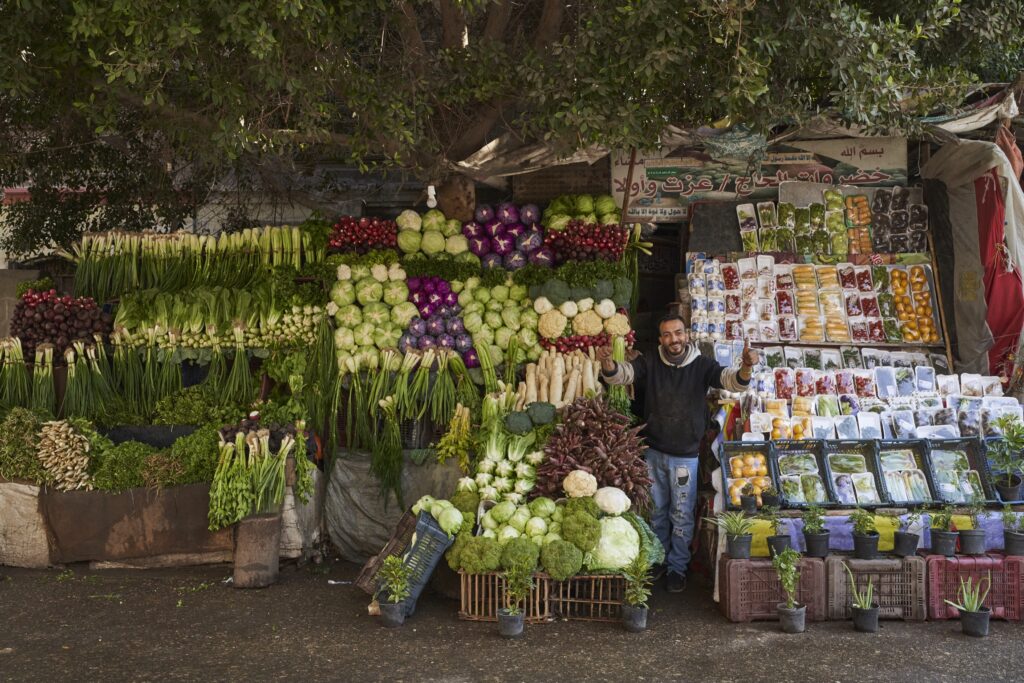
(187,624)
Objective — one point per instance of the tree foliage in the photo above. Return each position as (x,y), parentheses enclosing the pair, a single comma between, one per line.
(138,106)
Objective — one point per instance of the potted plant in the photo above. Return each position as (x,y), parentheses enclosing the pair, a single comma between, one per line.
(816,536)
(974,615)
(638,588)
(905,541)
(791,614)
(972,541)
(748,500)
(1013,539)
(865,610)
(394,588)
(943,537)
(770,496)
(776,542)
(737,528)
(1007,459)
(518,584)
(865,535)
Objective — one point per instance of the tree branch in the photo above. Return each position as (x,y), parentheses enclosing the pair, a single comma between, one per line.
(409,27)
(453,25)
(497,20)
(550,23)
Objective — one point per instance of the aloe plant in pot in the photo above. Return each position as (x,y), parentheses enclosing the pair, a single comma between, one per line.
(864,608)
(792,615)
(972,541)
(865,535)
(748,499)
(974,616)
(518,584)
(394,588)
(816,536)
(905,540)
(944,538)
(1013,538)
(737,527)
(638,589)
(1007,456)
(776,542)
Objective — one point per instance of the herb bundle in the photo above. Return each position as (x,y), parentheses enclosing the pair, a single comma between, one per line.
(14,381)
(386,456)
(44,397)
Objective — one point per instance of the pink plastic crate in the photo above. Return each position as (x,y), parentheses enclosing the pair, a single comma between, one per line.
(1004,599)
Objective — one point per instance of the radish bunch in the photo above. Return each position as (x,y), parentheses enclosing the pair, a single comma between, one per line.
(583,342)
(363,234)
(588,242)
(46,317)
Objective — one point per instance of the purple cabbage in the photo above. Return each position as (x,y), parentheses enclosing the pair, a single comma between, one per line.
(514,260)
(445,312)
(455,326)
(435,326)
(451,299)
(503,244)
(529,241)
(413,283)
(427,311)
(428,286)
(463,342)
(480,246)
(418,298)
(491,261)
(417,327)
(484,213)
(507,213)
(426,342)
(435,299)
(472,229)
(406,343)
(529,214)
(515,229)
(442,287)
(446,341)
(494,228)
(543,257)
(470,358)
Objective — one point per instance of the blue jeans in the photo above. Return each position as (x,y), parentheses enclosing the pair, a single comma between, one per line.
(673,501)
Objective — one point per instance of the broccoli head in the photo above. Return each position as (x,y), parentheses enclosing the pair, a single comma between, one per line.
(535,291)
(561,560)
(454,554)
(585,504)
(582,530)
(556,291)
(481,554)
(604,289)
(518,422)
(521,553)
(541,413)
(577,293)
(466,502)
(623,291)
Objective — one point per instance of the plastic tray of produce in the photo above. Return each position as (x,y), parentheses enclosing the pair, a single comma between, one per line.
(800,469)
(959,469)
(852,471)
(904,467)
(742,462)
(993,474)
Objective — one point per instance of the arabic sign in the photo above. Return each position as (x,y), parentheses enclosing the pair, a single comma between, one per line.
(664,183)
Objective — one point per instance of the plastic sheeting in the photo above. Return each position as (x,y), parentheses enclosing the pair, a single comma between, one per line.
(359,520)
(24,541)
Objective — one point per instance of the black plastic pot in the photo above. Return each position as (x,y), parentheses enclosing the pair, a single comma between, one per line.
(392,614)
(749,504)
(975,623)
(817,544)
(1013,541)
(770,500)
(865,620)
(905,543)
(792,620)
(972,541)
(778,544)
(1012,493)
(738,547)
(944,542)
(865,547)
(510,625)
(634,619)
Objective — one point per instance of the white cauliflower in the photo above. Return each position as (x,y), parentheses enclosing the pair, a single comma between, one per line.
(569,309)
(579,484)
(344,272)
(379,272)
(606,308)
(611,500)
(587,323)
(552,324)
(585,304)
(541,305)
(618,324)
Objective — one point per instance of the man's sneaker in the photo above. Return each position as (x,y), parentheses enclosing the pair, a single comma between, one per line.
(676,583)
(657,571)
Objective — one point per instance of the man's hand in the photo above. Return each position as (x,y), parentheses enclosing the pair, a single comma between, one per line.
(604,355)
(750,356)
(1007,142)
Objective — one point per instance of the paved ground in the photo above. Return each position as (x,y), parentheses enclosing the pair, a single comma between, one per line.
(185,624)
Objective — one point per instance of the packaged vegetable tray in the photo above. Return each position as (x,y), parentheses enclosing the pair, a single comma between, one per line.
(743,462)
(853,473)
(904,466)
(800,471)
(959,470)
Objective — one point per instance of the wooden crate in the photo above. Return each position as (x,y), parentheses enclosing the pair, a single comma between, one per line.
(589,598)
(482,595)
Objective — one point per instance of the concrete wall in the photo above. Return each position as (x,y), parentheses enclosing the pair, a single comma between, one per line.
(9,280)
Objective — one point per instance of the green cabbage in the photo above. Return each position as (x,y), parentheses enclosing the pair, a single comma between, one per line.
(527,338)
(369,291)
(376,314)
(502,337)
(395,292)
(349,316)
(618,546)
(433,242)
(451,227)
(558,223)
(517,293)
(433,220)
(344,339)
(499,293)
(364,334)
(584,204)
(472,322)
(360,272)
(493,320)
(403,313)
(510,316)
(483,337)
(409,241)
(456,244)
(409,220)
(543,507)
(343,293)
(605,204)
(502,512)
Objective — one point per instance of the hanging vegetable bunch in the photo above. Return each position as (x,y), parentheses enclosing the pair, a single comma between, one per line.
(15,389)
(597,439)
(250,476)
(363,234)
(507,236)
(47,318)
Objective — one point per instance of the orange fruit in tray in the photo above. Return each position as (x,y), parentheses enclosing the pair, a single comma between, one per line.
(749,471)
(749,460)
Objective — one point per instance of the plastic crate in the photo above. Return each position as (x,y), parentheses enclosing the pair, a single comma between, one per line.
(919,449)
(899,586)
(414,433)
(589,597)
(396,545)
(426,551)
(732,449)
(974,449)
(482,595)
(992,473)
(1004,597)
(867,448)
(750,589)
(789,447)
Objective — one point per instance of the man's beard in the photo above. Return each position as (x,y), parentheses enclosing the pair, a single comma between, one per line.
(674,349)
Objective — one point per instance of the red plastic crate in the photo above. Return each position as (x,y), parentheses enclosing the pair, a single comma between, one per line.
(749,590)
(1004,598)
